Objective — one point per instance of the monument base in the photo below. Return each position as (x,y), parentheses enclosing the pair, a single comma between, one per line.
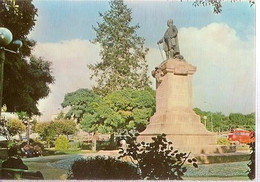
(185,130)
(174,114)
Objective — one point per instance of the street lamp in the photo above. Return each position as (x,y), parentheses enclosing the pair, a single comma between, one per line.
(205,121)
(6,38)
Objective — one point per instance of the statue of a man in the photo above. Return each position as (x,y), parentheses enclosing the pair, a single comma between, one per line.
(170,41)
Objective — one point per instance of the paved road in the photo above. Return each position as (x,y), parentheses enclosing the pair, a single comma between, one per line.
(57,167)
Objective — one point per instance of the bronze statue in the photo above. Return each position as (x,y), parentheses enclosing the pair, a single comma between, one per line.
(170,41)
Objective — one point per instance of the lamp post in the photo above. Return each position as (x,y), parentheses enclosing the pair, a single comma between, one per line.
(211,122)
(205,121)
(6,38)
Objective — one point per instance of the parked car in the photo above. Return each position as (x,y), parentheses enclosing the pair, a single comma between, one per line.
(240,136)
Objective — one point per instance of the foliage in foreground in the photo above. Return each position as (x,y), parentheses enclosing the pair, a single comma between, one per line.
(101,168)
(157,160)
(216,4)
(27,77)
(251,164)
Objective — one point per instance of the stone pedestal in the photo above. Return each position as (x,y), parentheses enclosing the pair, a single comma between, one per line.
(174,114)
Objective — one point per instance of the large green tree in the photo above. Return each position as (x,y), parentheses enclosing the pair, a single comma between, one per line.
(123,63)
(120,110)
(26,77)
(78,103)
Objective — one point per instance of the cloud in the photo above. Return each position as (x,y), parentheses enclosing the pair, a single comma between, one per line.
(69,62)
(224,81)
(225,76)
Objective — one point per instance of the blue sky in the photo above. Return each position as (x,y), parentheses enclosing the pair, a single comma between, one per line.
(222,46)
(68,20)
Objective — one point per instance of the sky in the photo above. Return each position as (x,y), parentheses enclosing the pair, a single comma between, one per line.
(221,46)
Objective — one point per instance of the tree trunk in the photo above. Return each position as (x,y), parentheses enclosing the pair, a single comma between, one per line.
(112,139)
(94,141)
(28,132)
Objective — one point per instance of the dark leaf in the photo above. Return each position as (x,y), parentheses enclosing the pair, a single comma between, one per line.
(195,165)
(194,160)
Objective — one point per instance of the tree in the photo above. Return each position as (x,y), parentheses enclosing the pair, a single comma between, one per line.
(60,116)
(64,127)
(120,110)
(78,102)
(250,121)
(26,77)
(216,4)
(49,130)
(15,126)
(46,132)
(220,122)
(123,54)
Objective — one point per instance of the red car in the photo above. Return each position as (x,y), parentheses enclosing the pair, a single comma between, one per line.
(238,136)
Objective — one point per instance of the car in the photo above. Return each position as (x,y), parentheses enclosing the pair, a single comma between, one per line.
(240,136)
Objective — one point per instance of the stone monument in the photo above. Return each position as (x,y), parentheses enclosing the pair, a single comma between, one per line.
(174,114)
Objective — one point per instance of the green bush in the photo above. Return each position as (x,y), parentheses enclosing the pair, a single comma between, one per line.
(157,160)
(223,141)
(102,168)
(86,146)
(61,143)
(74,145)
(106,145)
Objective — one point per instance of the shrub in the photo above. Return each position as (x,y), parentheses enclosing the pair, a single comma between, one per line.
(157,160)
(223,141)
(11,144)
(106,145)
(101,168)
(61,143)
(74,145)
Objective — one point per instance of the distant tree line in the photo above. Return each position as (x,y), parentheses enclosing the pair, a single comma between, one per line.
(218,122)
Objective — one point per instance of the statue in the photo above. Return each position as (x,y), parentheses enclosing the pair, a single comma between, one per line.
(170,41)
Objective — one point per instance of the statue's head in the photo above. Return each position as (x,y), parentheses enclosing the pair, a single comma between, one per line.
(170,22)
